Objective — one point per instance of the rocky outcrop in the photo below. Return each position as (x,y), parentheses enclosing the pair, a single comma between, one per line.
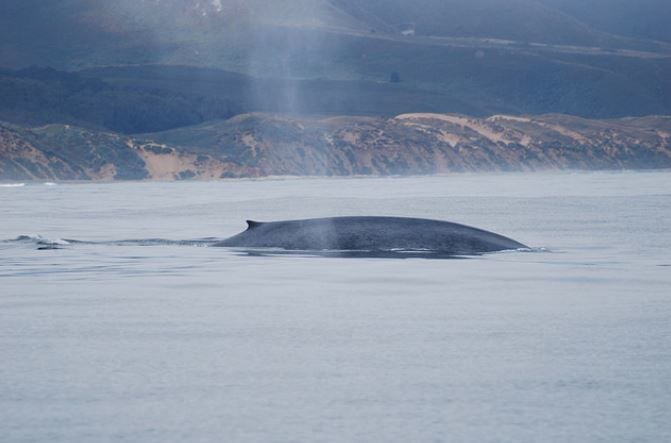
(255,145)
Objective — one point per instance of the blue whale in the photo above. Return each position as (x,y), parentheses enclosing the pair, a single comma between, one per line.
(371,234)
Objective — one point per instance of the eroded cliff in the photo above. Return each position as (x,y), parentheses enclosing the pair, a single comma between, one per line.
(257,145)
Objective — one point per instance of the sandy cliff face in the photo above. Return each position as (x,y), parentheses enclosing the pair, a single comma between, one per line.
(20,159)
(255,145)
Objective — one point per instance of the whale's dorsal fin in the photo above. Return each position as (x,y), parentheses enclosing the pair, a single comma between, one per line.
(251,224)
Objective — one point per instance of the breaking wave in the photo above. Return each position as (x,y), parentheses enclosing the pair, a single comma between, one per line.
(39,241)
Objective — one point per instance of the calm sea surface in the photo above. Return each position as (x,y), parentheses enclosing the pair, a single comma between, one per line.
(118,322)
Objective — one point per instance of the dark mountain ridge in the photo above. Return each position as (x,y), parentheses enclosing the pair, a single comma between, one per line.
(38,96)
(336,57)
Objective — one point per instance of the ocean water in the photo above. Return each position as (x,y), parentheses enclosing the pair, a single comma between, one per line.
(119,322)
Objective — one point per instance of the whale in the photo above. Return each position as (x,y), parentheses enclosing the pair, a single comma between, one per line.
(372,234)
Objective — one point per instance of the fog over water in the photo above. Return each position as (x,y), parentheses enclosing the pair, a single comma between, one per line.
(165,340)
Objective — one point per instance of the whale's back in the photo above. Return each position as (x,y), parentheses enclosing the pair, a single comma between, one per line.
(371,234)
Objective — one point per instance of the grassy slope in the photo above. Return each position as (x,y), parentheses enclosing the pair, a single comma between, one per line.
(521,20)
(59,33)
(642,19)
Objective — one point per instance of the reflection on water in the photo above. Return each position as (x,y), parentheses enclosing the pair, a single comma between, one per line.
(381,254)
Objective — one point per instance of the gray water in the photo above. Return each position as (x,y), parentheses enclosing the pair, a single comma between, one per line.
(142,332)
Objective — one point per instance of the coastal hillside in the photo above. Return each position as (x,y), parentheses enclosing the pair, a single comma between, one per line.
(261,145)
(208,89)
